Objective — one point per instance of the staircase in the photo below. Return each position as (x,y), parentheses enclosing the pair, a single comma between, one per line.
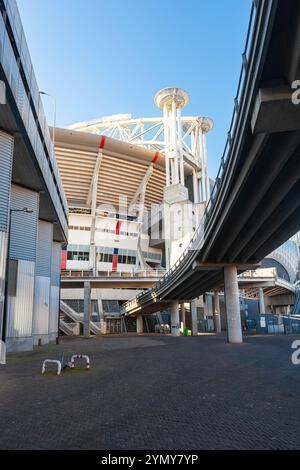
(69,329)
(76,318)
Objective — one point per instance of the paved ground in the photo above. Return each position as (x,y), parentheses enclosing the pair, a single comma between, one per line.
(155,393)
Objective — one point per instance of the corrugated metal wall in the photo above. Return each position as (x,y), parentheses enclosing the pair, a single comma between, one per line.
(23,225)
(3,248)
(23,248)
(44,249)
(54,310)
(6,158)
(20,307)
(55,286)
(55,264)
(43,277)
(41,305)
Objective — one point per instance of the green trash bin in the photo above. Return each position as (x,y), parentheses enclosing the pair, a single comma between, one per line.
(185,331)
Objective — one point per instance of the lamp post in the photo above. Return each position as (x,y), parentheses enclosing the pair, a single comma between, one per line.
(4,318)
(54,117)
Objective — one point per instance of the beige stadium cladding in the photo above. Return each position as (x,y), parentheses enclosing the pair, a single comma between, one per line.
(122,168)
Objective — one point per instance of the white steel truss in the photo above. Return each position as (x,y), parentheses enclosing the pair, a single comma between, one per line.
(152,133)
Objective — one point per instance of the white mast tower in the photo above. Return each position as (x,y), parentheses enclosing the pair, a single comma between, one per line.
(181,216)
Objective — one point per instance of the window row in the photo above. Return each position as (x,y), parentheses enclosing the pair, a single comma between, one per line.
(104,230)
(75,227)
(78,256)
(122,259)
(122,232)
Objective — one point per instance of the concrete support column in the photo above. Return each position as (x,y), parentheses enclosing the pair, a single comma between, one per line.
(87,309)
(194,317)
(175,326)
(217,312)
(182,315)
(233,314)
(261,299)
(139,324)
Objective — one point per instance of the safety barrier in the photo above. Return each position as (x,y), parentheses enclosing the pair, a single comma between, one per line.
(51,361)
(80,356)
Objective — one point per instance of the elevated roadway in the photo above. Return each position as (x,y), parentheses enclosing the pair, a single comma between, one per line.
(255,205)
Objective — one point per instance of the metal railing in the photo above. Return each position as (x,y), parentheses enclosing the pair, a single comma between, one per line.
(259,273)
(198,238)
(133,273)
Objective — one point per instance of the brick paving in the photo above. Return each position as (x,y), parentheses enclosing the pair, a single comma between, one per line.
(154,393)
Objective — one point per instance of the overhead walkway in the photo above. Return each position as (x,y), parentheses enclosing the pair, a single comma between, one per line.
(254,205)
(266,279)
(137,278)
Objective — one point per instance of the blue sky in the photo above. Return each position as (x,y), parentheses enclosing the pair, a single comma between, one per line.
(103,57)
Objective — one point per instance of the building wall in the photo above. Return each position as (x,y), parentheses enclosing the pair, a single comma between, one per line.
(106,294)
(287,256)
(34,166)
(22,266)
(54,291)
(109,240)
(42,282)
(6,158)
(20,308)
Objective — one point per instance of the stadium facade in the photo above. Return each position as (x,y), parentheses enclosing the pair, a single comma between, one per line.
(136,190)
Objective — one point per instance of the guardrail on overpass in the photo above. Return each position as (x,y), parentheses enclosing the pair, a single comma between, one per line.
(259,17)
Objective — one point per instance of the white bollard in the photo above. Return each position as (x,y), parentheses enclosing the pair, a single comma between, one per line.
(80,356)
(51,361)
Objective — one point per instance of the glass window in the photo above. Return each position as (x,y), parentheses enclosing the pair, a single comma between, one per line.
(78,256)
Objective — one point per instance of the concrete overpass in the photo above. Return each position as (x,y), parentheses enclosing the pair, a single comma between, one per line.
(254,206)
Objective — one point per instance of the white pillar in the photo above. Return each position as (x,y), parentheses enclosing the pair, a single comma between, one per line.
(139,324)
(206,166)
(181,165)
(233,314)
(203,174)
(195,187)
(262,308)
(194,317)
(167,144)
(174,144)
(182,314)
(87,309)
(175,325)
(217,312)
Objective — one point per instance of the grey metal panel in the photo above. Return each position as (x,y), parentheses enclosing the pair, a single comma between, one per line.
(55,264)
(44,249)
(54,309)
(41,305)
(23,225)
(3,251)
(20,307)
(6,157)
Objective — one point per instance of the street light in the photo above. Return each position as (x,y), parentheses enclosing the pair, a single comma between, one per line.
(54,117)
(4,317)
